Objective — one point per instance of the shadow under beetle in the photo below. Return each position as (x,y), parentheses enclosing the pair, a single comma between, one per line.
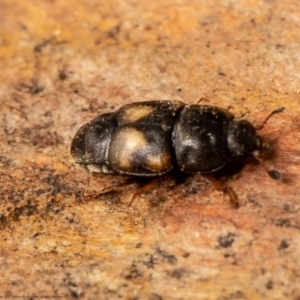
(150,138)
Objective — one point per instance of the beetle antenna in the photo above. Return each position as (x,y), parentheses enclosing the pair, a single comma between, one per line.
(275,111)
(274,174)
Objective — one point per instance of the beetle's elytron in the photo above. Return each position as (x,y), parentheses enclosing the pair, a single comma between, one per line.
(150,138)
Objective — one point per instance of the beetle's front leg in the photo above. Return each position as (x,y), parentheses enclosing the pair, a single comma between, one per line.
(227,190)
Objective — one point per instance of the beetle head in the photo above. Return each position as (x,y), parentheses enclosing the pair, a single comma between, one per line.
(242,139)
(243,142)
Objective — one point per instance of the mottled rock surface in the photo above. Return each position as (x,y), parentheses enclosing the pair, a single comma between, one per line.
(63,63)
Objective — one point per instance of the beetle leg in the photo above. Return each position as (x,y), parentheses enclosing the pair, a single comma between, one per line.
(111,188)
(229,107)
(144,189)
(202,99)
(148,186)
(227,190)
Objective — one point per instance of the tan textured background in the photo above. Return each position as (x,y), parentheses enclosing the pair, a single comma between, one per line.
(64,62)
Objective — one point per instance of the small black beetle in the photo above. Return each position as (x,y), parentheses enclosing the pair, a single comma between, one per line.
(150,138)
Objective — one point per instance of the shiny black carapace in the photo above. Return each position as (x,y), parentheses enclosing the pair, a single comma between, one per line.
(150,138)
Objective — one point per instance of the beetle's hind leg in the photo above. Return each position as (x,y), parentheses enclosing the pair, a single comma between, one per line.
(112,188)
(227,190)
(149,184)
(144,188)
(143,185)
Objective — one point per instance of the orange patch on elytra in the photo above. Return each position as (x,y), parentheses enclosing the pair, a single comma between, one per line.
(126,141)
(134,113)
(159,162)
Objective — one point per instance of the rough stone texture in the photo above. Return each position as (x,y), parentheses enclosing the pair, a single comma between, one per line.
(64,62)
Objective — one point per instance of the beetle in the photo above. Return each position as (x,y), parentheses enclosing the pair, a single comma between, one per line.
(150,138)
